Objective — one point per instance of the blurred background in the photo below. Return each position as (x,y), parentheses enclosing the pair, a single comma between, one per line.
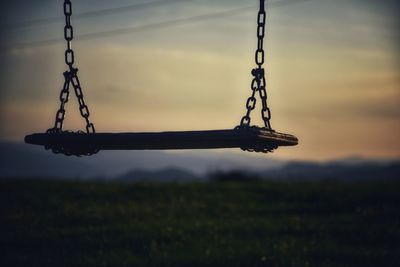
(333,80)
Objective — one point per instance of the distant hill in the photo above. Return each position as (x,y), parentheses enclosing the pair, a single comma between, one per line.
(360,170)
(165,175)
(21,160)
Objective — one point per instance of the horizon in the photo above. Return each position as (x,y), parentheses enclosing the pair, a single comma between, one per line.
(21,161)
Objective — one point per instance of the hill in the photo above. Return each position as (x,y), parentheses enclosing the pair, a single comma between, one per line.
(21,160)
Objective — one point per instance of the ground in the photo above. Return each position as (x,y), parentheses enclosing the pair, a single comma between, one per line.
(59,223)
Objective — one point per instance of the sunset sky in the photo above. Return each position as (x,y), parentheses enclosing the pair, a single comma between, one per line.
(333,69)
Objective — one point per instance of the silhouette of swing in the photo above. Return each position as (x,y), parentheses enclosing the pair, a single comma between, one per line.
(244,136)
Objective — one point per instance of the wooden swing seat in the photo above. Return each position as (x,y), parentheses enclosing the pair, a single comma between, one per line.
(255,139)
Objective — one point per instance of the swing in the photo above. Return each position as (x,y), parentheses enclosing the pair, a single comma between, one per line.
(249,138)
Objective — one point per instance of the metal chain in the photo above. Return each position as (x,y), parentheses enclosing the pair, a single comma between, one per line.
(71,77)
(83,108)
(258,83)
(68,34)
(64,96)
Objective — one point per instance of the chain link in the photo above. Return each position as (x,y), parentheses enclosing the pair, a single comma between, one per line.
(258,83)
(64,96)
(71,77)
(83,108)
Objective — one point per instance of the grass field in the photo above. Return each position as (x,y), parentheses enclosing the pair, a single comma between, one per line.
(46,223)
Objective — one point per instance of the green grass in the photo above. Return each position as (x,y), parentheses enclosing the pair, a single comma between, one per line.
(46,223)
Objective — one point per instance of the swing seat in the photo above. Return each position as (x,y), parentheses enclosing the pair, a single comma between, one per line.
(80,143)
(251,138)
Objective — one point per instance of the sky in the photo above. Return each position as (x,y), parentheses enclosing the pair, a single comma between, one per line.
(332,69)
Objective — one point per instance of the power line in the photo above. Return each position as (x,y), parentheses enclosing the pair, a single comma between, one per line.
(140,28)
(109,11)
(281,3)
(157,25)
(89,14)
